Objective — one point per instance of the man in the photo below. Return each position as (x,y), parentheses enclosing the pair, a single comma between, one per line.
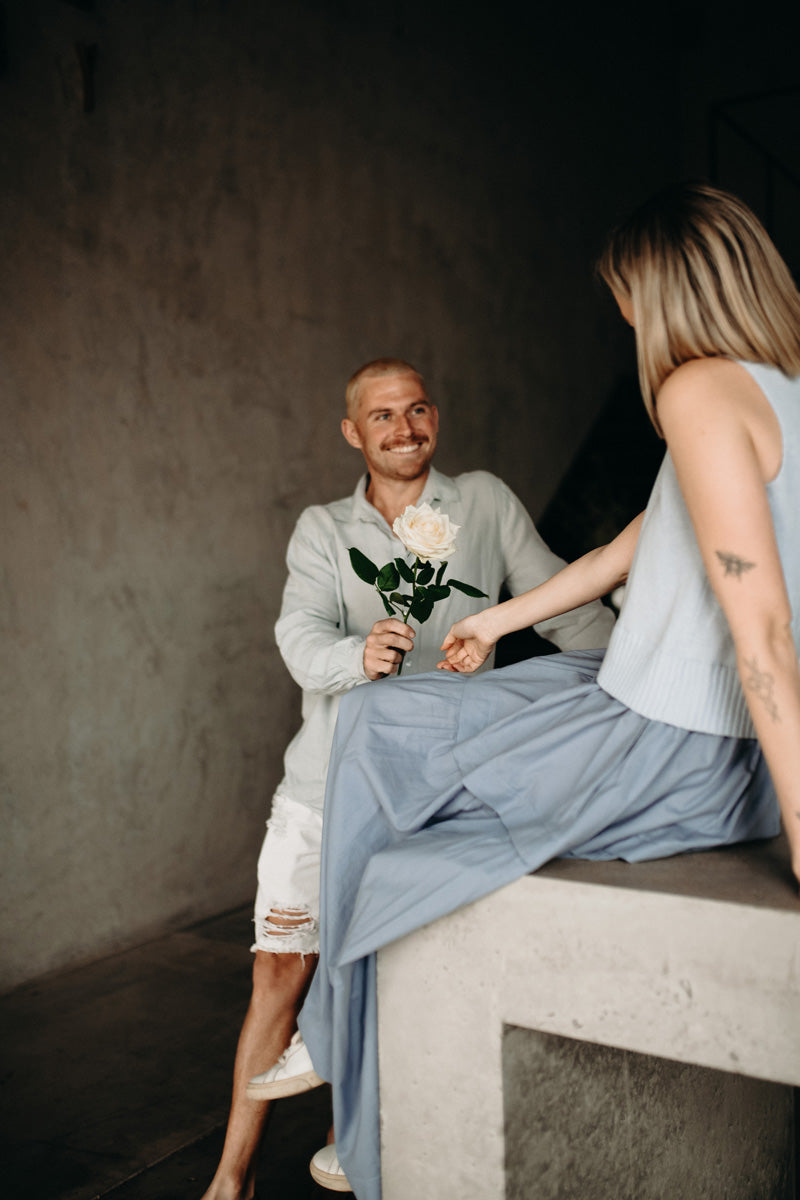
(331,642)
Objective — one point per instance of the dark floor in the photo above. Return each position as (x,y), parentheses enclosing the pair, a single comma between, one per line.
(115,1077)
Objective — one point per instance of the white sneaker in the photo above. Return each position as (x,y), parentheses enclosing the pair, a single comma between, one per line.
(326,1170)
(292,1073)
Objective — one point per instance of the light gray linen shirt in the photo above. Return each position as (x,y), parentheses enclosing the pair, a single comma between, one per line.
(327,611)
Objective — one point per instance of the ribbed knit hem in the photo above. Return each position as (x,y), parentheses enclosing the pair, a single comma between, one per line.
(703,696)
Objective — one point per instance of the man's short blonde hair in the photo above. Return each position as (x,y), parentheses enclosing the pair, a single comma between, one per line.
(377,369)
(704,280)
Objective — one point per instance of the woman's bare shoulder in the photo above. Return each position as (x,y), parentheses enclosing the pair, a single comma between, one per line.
(706,388)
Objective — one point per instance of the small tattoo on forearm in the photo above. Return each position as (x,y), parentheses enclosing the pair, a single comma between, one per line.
(762,684)
(733,564)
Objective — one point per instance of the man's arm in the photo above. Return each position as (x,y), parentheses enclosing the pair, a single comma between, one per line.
(320,655)
(529,562)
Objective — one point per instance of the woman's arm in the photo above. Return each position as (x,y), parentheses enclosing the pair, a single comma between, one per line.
(470,642)
(725,443)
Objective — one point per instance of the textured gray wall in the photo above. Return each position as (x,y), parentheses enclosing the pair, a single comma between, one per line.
(597,1122)
(264,196)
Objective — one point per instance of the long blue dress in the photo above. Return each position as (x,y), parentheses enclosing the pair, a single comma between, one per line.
(444,787)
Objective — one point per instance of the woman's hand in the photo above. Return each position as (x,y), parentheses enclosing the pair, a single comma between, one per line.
(468,644)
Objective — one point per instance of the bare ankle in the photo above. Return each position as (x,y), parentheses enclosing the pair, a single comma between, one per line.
(229,1189)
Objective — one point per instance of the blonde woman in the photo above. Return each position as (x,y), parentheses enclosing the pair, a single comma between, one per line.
(685,735)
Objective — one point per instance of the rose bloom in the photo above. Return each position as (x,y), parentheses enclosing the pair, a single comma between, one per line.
(426,532)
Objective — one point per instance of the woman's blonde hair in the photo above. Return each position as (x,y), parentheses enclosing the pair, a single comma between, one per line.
(704,280)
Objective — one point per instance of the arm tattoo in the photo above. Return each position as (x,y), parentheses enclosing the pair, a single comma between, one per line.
(761,683)
(733,565)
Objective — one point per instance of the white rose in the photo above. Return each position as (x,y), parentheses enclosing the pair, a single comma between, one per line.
(426,532)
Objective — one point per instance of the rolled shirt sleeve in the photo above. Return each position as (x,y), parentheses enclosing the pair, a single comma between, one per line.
(320,656)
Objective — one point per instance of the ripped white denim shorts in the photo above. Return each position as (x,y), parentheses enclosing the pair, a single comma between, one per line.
(287,902)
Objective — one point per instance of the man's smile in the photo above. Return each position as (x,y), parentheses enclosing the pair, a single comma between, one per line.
(405,447)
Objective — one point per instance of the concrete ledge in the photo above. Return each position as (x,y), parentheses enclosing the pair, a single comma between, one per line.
(694,959)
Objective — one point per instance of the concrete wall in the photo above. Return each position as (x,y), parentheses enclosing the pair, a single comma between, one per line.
(264,196)
(593,1121)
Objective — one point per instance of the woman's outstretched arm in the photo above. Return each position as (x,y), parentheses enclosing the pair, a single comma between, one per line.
(725,443)
(470,642)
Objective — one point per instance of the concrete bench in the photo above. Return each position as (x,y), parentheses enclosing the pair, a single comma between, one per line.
(628,1014)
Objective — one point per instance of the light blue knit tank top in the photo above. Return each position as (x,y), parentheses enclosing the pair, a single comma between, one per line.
(671,656)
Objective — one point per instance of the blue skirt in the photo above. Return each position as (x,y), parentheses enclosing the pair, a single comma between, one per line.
(442,788)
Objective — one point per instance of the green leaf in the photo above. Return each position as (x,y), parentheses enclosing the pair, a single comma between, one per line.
(422,606)
(362,566)
(406,574)
(440,573)
(387,605)
(466,588)
(388,578)
(425,573)
(438,593)
(399,598)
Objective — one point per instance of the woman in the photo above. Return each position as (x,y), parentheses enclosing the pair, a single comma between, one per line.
(443,788)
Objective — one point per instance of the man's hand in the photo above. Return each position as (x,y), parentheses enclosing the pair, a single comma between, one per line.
(468,644)
(383,645)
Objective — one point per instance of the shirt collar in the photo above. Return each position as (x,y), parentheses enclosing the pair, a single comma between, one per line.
(439,489)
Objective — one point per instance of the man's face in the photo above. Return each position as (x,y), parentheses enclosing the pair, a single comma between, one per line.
(395,427)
